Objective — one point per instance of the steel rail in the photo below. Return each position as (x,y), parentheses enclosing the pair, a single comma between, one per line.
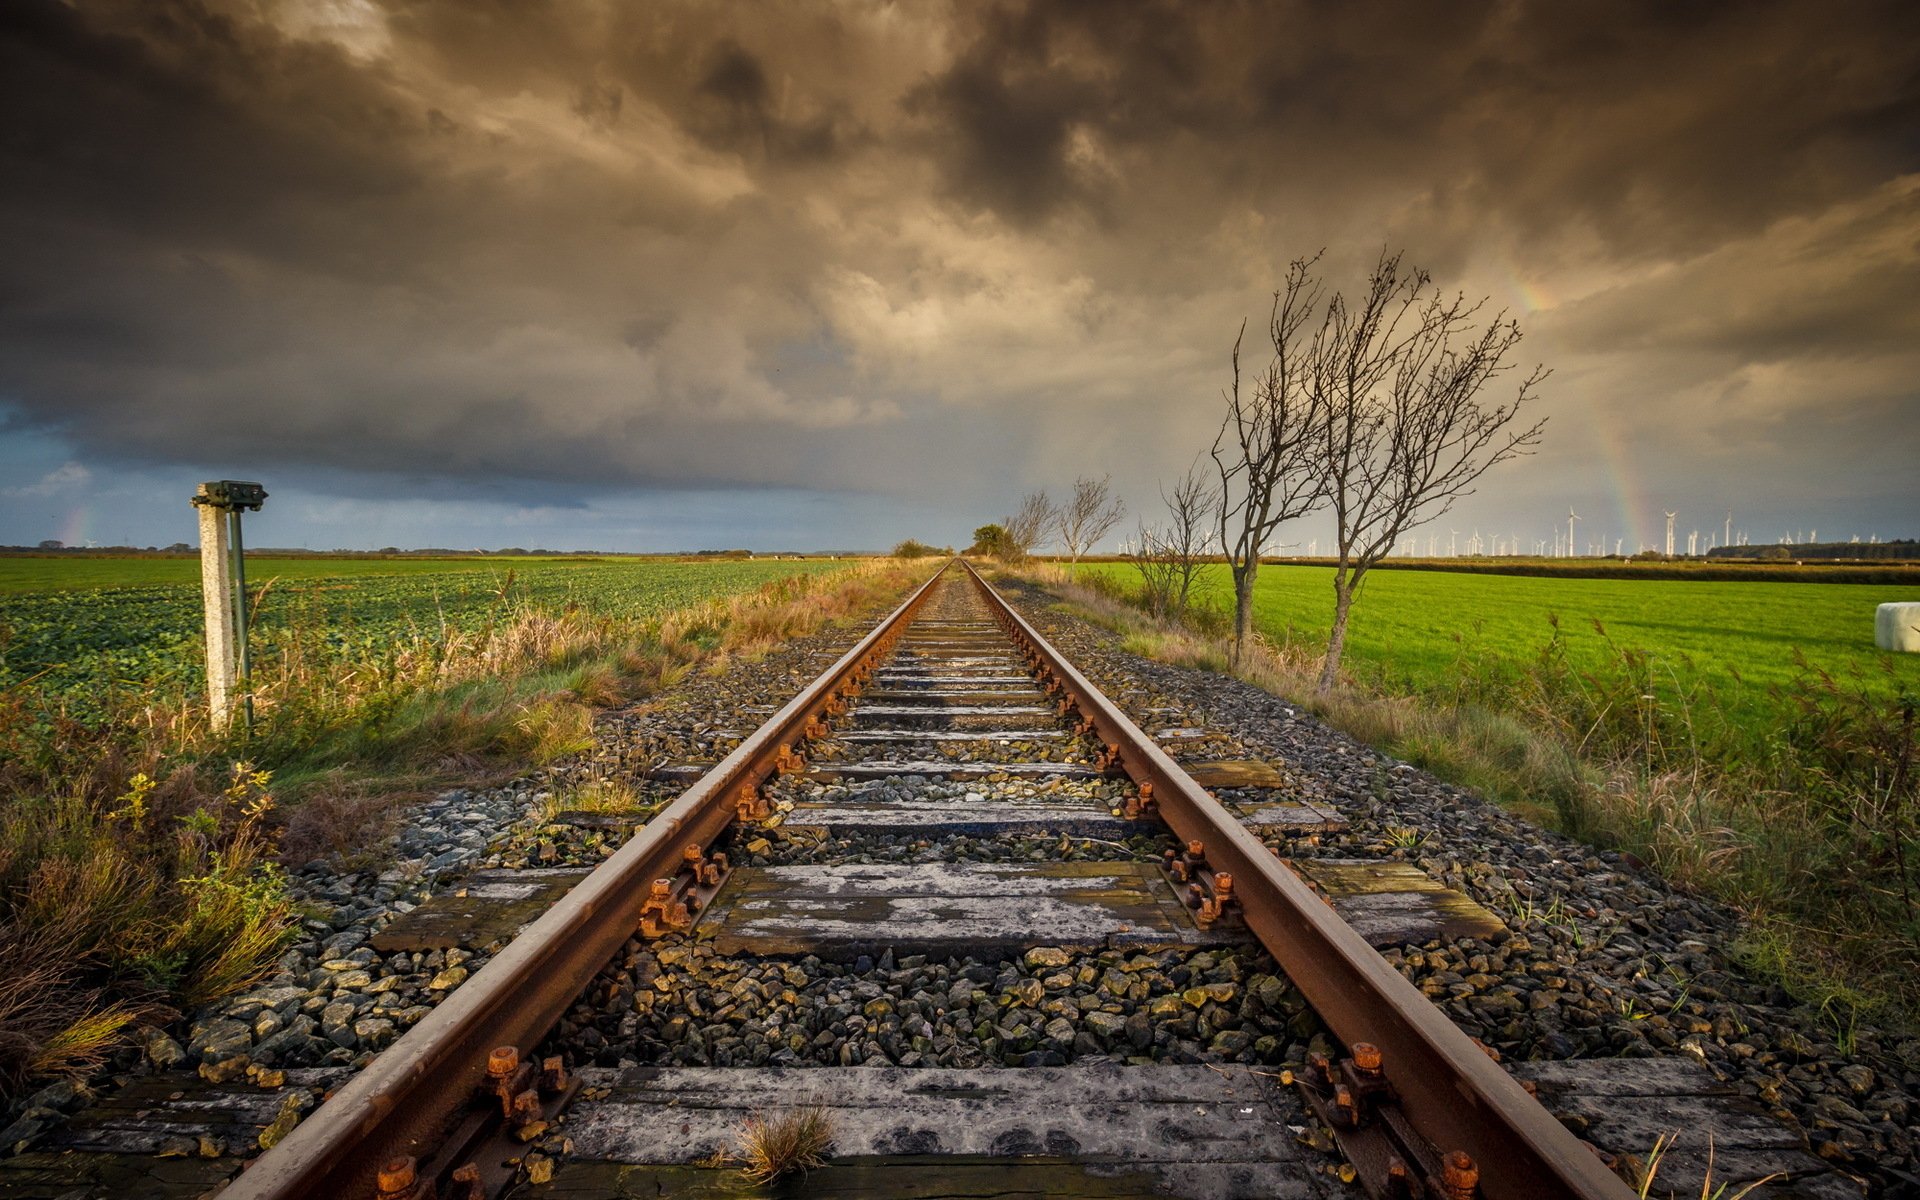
(403,1101)
(1454,1095)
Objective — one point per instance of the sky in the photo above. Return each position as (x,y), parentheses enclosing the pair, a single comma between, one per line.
(480,273)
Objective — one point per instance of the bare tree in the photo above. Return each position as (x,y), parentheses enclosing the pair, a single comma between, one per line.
(1265,452)
(1400,433)
(1087,516)
(1027,527)
(1154,559)
(1183,543)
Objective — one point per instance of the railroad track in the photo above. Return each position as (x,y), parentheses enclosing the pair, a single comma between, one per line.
(1417,1104)
(1061,965)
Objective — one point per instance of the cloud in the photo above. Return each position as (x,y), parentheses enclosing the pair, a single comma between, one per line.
(882,249)
(68,476)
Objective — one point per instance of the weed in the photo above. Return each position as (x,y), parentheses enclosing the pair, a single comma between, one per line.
(1709,1189)
(1406,837)
(602,796)
(795,1140)
(138,846)
(1797,802)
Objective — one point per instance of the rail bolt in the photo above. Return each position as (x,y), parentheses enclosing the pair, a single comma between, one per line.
(396,1177)
(1142,803)
(503,1061)
(1460,1176)
(1366,1057)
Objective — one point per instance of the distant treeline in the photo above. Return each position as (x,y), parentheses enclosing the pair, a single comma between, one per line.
(185,549)
(1902,549)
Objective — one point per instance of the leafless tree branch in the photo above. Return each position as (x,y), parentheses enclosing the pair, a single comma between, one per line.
(1402,433)
(1265,454)
(1087,516)
(1027,529)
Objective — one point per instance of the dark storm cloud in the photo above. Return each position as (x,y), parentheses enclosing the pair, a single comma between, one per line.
(587,245)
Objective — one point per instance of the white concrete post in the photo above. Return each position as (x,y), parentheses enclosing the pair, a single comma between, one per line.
(216,592)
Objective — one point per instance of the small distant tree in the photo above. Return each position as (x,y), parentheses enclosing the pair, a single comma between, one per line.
(1400,433)
(1264,455)
(1027,528)
(1169,557)
(989,541)
(53,544)
(1087,516)
(916,549)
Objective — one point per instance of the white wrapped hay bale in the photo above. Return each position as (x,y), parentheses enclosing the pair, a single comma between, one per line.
(1897,627)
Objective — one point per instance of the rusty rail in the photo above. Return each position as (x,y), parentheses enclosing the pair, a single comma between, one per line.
(402,1103)
(1456,1097)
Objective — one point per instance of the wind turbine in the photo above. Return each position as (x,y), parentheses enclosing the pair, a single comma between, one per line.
(1726,534)
(1670,535)
(1453,543)
(1571,518)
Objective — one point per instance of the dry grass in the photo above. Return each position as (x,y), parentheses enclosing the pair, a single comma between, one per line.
(795,1140)
(1649,1173)
(138,855)
(118,907)
(1813,840)
(603,796)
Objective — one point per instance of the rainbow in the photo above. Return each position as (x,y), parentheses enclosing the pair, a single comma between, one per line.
(1532,297)
(72,528)
(1627,500)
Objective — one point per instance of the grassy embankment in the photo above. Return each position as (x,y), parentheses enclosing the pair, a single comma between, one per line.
(1744,739)
(139,848)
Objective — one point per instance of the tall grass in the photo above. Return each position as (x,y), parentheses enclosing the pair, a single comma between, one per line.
(139,850)
(1808,824)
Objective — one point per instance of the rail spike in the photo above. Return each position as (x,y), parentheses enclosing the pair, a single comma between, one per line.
(749,804)
(399,1179)
(663,912)
(1215,903)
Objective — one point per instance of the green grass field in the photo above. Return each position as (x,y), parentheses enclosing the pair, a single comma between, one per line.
(1435,632)
(54,572)
(88,628)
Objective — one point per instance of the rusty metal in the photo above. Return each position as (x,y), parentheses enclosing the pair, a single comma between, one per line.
(1211,904)
(705,871)
(1460,1176)
(664,911)
(1184,863)
(410,1097)
(1448,1091)
(399,1180)
(749,804)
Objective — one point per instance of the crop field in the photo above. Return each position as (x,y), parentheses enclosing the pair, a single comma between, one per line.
(90,628)
(1723,645)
